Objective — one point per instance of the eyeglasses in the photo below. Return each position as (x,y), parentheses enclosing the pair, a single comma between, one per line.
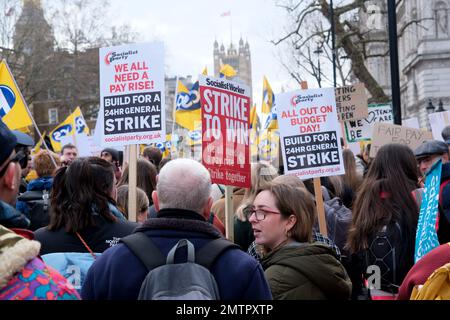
(260,214)
(17,158)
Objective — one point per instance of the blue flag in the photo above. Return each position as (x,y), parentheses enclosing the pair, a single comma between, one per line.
(426,236)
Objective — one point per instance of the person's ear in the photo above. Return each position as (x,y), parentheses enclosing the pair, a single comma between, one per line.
(445,158)
(207,208)
(9,180)
(155,200)
(291,222)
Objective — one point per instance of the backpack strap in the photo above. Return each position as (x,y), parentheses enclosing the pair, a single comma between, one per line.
(182,243)
(208,254)
(31,195)
(144,248)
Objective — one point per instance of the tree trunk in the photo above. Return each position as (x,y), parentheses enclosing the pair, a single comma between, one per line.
(358,67)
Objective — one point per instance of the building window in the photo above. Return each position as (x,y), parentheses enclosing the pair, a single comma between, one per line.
(441,20)
(53,116)
(51,93)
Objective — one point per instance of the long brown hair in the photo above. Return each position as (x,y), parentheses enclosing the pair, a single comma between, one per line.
(351,178)
(385,196)
(146,177)
(80,190)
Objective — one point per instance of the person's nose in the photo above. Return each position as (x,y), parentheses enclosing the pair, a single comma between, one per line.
(252,218)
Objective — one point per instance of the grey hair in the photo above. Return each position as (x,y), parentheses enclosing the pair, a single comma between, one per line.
(446,133)
(183,184)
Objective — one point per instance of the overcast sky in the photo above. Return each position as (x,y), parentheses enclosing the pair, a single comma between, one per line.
(189,28)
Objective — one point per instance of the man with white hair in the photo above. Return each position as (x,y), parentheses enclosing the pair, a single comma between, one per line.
(183,201)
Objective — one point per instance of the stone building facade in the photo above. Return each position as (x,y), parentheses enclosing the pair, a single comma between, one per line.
(424,53)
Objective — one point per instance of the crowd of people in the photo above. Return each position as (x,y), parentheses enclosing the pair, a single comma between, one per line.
(65,234)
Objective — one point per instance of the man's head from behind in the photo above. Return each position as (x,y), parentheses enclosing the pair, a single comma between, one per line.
(10,171)
(429,152)
(446,134)
(184,184)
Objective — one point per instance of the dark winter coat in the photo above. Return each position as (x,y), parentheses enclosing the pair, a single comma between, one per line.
(11,218)
(118,273)
(100,237)
(306,271)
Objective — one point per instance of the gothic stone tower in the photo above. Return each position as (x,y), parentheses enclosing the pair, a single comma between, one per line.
(239,59)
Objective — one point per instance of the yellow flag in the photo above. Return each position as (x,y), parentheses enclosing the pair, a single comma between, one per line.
(264,145)
(205,71)
(38,146)
(268,96)
(194,137)
(25,130)
(254,138)
(168,146)
(274,146)
(13,110)
(74,124)
(187,110)
(227,71)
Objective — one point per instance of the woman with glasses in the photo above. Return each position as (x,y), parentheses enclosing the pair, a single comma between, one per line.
(262,173)
(282,219)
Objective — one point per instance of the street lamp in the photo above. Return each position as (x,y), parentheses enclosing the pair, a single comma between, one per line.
(430,107)
(440,106)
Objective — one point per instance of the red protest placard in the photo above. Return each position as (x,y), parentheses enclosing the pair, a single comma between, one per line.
(225,131)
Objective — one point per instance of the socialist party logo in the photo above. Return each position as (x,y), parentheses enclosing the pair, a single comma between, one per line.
(61,132)
(7,100)
(115,56)
(80,124)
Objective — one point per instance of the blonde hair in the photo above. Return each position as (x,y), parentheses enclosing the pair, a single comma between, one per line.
(142,202)
(262,174)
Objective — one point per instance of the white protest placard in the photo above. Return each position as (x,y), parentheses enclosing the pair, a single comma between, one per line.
(411,123)
(385,133)
(225,130)
(351,102)
(132,94)
(310,133)
(438,121)
(360,130)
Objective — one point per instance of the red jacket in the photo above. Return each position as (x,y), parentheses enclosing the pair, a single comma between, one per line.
(420,272)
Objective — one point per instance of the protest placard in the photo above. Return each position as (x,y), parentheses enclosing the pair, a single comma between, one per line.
(225,130)
(351,102)
(360,130)
(310,133)
(426,235)
(132,94)
(438,121)
(385,133)
(411,123)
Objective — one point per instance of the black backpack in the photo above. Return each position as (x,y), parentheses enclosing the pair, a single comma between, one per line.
(168,280)
(339,220)
(384,251)
(38,204)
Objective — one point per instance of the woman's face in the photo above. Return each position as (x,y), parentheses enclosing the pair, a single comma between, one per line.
(269,227)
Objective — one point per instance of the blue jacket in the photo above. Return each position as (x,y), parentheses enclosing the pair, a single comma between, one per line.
(118,273)
(11,218)
(39,184)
